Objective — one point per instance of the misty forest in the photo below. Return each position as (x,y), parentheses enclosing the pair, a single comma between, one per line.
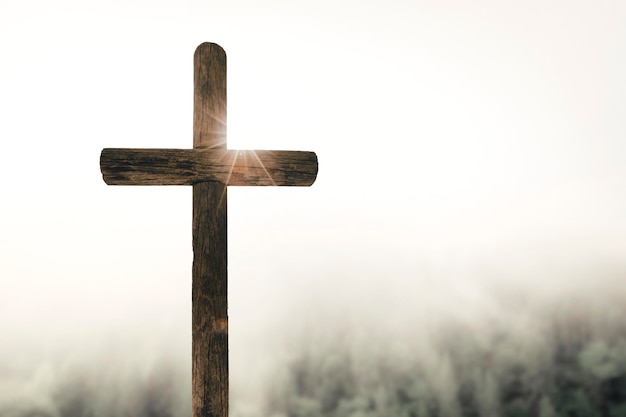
(499,345)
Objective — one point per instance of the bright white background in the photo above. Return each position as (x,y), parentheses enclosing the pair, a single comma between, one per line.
(450,134)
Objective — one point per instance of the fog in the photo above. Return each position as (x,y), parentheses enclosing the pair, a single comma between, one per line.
(460,254)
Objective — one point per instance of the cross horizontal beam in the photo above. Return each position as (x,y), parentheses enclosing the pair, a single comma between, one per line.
(191,166)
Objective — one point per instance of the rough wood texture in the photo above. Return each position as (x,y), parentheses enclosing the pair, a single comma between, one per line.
(209,167)
(190,166)
(210,305)
(209,281)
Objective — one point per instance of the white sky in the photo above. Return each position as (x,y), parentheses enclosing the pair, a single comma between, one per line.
(446,132)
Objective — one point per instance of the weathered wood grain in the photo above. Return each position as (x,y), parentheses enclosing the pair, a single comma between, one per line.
(191,166)
(209,167)
(209,272)
(209,301)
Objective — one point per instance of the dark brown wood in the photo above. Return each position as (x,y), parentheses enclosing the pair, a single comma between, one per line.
(190,166)
(209,272)
(209,302)
(209,96)
(209,167)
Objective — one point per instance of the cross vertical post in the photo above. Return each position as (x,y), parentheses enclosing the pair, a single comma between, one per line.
(209,224)
(209,168)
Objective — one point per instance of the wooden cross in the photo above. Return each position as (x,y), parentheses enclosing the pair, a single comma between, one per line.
(209,167)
